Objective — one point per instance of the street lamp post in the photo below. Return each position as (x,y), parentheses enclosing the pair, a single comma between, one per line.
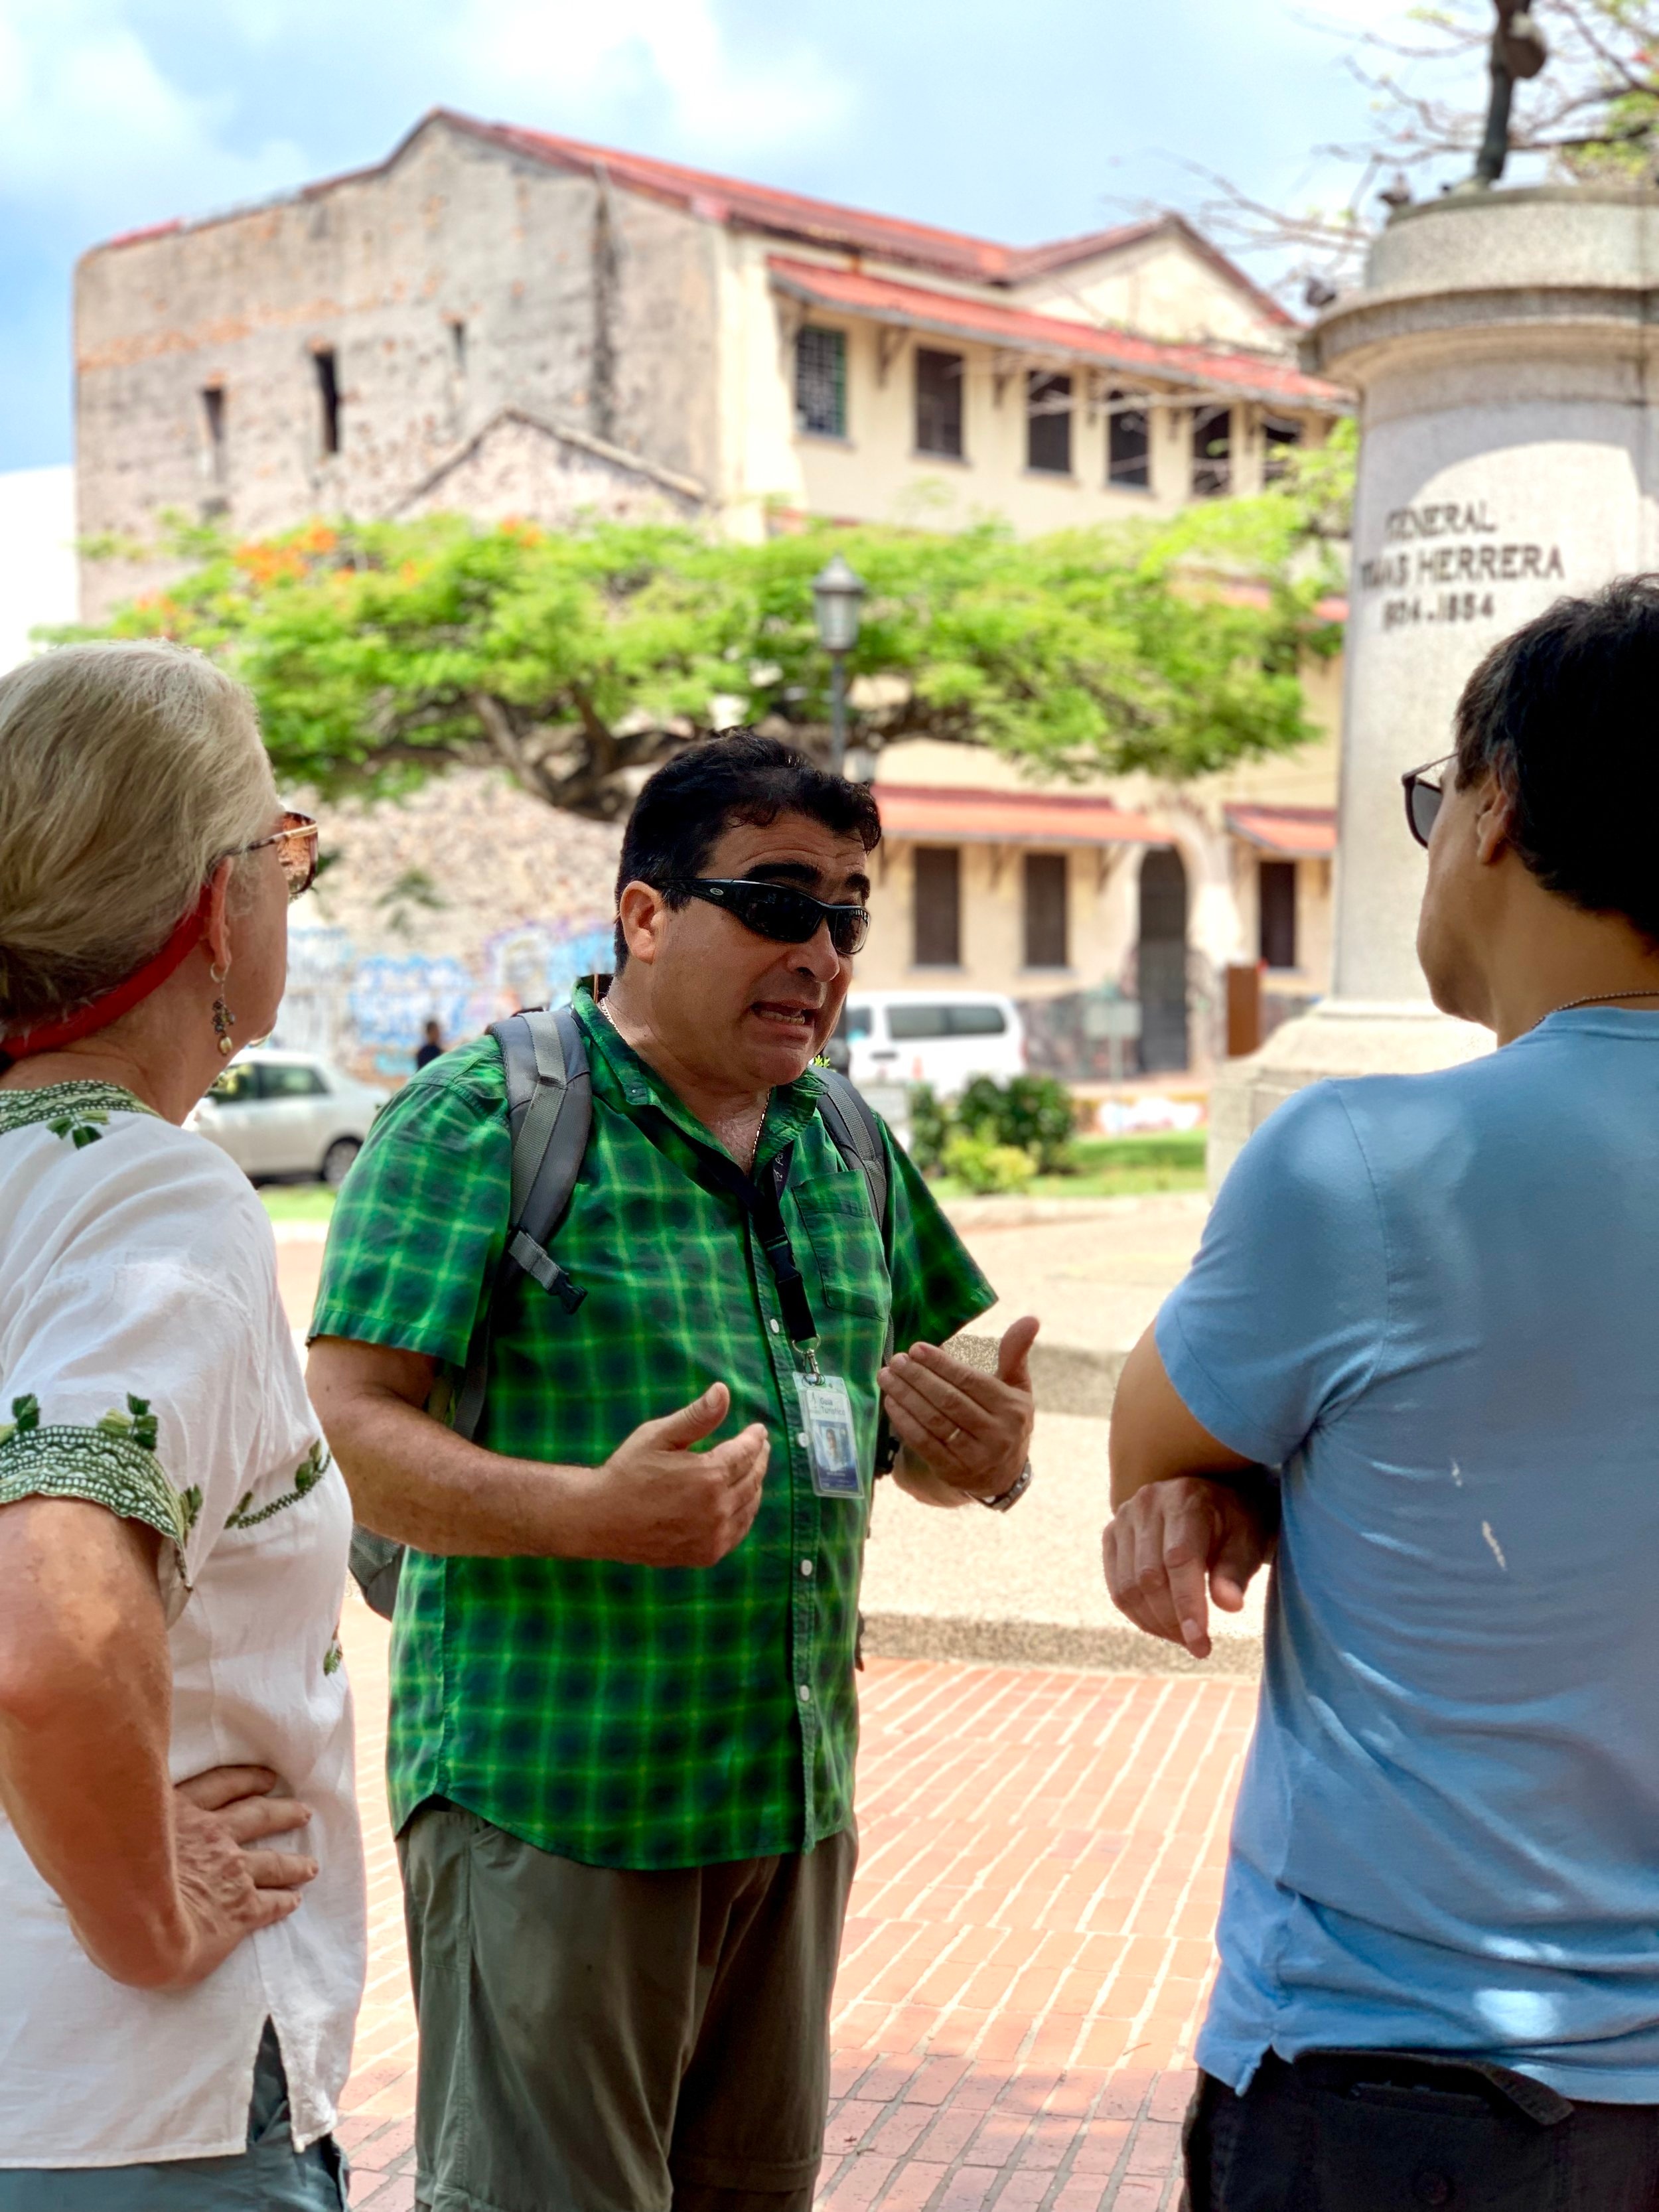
(837,598)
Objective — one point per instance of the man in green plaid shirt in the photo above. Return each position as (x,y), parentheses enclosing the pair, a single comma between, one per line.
(623,1713)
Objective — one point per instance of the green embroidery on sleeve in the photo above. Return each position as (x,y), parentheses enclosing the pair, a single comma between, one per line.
(307,1476)
(138,1423)
(106,1464)
(334,1657)
(25,1416)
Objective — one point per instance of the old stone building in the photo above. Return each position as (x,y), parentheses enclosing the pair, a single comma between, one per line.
(503,322)
(500,322)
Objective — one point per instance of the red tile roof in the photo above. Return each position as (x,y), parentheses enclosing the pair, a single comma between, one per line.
(1022,818)
(1296,832)
(788,214)
(794,215)
(1259,376)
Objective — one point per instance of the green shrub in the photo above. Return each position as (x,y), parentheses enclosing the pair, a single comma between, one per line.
(988,1168)
(930,1126)
(1032,1112)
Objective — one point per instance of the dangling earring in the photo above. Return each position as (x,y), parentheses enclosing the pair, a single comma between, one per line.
(223,1020)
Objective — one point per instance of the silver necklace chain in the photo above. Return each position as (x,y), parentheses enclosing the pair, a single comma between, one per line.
(1599,998)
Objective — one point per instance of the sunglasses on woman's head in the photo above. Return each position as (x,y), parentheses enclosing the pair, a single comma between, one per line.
(296,848)
(1423,798)
(780,912)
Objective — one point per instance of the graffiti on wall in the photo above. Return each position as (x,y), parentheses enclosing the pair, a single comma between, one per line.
(369,1010)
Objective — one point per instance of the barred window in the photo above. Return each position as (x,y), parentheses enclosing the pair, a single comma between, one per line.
(938,908)
(821,382)
(1213,451)
(1049,422)
(1280,435)
(1128,445)
(938,403)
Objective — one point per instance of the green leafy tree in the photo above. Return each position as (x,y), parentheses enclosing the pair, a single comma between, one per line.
(382,651)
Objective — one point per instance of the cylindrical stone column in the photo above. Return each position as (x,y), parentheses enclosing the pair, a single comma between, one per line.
(1503,348)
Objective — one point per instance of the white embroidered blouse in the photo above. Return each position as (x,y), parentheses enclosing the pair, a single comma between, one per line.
(145,1363)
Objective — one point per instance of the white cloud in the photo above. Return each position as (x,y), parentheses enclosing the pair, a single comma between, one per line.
(671,55)
(99,133)
(92,128)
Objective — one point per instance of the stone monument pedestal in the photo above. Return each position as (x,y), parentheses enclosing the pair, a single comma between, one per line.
(1339,1037)
(1505,348)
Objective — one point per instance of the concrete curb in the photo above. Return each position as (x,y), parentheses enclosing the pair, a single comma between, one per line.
(1079,1646)
(1039,1213)
(1065,1378)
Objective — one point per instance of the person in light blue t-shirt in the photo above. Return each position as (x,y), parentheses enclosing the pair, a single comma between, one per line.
(1421,1341)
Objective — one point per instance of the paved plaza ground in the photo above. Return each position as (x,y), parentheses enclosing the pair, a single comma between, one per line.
(1029,1944)
(1027,1952)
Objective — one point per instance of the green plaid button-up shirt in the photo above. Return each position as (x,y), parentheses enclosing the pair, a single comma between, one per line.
(623,1715)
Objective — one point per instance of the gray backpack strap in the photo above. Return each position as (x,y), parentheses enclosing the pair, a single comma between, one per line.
(550,1107)
(855,1132)
(852,1123)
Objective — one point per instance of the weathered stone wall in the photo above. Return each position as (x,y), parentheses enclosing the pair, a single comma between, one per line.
(458,903)
(458,281)
(520,467)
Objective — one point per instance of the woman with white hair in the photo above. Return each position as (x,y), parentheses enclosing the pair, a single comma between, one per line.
(181,1888)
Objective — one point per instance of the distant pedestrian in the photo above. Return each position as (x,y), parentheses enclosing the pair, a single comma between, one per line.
(432,1048)
(182,1918)
(623,1712)
(1427,1305)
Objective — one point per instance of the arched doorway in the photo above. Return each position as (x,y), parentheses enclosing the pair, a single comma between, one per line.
(1161,960)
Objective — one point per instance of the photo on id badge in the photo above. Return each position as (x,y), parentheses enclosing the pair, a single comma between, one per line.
(827,1413)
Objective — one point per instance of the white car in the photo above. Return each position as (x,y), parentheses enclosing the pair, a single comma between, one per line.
(289,1113)
(944,1038)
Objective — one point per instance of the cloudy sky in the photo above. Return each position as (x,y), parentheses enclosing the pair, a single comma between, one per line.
(991,116)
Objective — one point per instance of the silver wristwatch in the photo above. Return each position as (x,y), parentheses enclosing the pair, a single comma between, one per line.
(1016,1490)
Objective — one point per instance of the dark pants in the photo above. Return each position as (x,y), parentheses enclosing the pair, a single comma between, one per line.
(597,2040)
(1389,2131)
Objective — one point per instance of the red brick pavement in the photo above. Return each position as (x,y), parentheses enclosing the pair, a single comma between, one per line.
(1027,1951)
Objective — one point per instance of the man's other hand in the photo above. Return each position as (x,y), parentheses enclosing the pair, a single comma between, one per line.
(1162,1546)
(968,1431)
(655,1502)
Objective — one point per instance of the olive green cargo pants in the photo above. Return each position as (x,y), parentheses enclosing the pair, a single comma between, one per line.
(598,2040)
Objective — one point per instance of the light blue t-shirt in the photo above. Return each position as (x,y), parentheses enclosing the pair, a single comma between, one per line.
(1433,1302)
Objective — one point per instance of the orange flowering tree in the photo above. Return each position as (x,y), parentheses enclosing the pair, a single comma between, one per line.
(380,653)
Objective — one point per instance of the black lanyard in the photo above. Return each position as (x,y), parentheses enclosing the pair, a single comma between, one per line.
(761,1201)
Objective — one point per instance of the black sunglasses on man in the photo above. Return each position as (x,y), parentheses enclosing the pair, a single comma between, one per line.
(1423,798)
(780,912)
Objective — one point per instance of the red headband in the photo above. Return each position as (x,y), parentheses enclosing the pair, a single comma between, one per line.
(111,1005)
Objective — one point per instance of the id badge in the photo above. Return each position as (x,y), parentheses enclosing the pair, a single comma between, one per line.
(826,1413)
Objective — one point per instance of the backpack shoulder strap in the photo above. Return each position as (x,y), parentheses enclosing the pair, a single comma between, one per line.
(856,1134)
(549,1106)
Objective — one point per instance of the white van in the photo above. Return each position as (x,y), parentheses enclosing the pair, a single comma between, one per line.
(942,1037)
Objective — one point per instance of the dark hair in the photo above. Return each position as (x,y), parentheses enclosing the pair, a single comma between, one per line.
(689,804)
(1565,714)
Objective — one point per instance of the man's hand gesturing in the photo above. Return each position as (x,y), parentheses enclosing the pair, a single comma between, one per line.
(655,1502)
(1166,1542)
(966,1434)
